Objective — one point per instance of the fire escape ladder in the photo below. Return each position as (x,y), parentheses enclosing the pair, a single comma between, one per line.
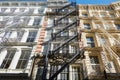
(73,59)
(53,35)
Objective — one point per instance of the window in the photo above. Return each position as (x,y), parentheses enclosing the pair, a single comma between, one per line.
(36,21)
(23,60)
(53,69)
(15,4)
(112,15)
(3,9)
(41,10)
(117,26)
(84,14)
(31,36)
(73,49)
(64,33)
(19,35)
(64,74)
(32,4)
(23,4)
(31,10)
(103,14)
(8,59)
(94,60)
(7,35)
(22,9)
(95,65)
(103,40)
(5,4)
(107,26)
(87,26)
(76,73)
(13,9)
(56,45)
(90,42)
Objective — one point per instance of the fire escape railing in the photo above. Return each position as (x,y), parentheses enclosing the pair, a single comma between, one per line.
(69,39)
(53,35)
(68,5)
(56,21)
(73,59)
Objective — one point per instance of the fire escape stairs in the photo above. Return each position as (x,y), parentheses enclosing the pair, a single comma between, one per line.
(68,5)
(53,35)
(80,52)
(72,60)
(66,42)
(56,21)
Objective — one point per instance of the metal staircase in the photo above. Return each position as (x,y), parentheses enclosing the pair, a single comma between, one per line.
(59,52)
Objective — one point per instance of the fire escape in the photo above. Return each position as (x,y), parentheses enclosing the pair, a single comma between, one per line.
(7,27)
(65,34)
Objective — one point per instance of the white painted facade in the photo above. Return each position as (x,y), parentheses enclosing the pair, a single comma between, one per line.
(29,19)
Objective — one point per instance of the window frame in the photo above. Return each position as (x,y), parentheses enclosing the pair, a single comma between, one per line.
(23,59)
(31,38)
(8,59)
(91,42)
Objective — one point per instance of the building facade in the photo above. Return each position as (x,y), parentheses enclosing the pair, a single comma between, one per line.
(98,38)
(59,40)
(99,25)
(21,32)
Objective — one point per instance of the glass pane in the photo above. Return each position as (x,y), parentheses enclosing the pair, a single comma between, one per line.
(31,36)
(117,26)
(23,61)
(8,59)
(94,60)
(75,73)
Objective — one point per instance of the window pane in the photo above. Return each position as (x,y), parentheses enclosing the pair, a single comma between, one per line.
(31,36)
(84,14)
(94,60)
(75,73)
(8,59)
(22,63)
(90,42)
(36,21)
(117,26)
(87,26)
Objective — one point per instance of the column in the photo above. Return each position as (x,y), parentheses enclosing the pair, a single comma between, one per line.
(104,60)
(97,39)
(87,62)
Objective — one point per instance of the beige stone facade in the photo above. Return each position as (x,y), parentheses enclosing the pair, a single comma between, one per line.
(100,28)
